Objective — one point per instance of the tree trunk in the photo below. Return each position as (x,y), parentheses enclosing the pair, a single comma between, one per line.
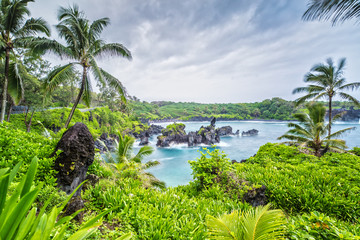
(9,111)
(5,85)
(330,114)
(28,126)
(78,98)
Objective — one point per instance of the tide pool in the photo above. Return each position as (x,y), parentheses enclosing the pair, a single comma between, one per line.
(175,170)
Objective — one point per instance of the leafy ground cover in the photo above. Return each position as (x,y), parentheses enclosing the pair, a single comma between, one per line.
(320,196)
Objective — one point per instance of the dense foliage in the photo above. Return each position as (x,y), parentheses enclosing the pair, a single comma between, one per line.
(275,108)
(298,182)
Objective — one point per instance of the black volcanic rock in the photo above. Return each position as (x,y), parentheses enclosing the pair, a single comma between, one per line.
(77,146)
(252,132)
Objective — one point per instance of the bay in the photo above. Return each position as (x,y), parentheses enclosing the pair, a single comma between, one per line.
(175,170)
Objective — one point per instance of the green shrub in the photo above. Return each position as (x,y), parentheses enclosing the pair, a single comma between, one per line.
(18,146)
(153,214)
(299,183)
(316,225)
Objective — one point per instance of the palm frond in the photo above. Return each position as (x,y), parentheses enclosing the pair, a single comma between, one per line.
(96,71)
(14,14)
(150,164)
(43,45)
(33,26)
(17,73)
(262,223)
(58,76)
(143,152)
(113,49)
(97,27)
(114,83)
(304,98)
(335,11)
(225,227)
(350,86)
(340,133)
(349,98)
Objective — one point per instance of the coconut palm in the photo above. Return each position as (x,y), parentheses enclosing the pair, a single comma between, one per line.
(15,30)
(128,164)
(327,81)
(333,10)
(254,224)
(311,131)
(83,46)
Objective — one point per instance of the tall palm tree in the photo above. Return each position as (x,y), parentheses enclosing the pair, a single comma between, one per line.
(327,81)
(311,131)
(15,31)
(254,224)
(333,10)
(83,46)
(128,164)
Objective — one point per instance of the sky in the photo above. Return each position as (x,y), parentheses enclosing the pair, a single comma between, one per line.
(214,51)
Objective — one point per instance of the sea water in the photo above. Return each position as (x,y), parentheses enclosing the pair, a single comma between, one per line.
(175,170)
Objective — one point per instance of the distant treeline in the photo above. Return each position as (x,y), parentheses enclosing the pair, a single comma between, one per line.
(269,109)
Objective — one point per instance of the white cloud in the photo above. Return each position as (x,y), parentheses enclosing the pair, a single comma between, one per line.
(217,51)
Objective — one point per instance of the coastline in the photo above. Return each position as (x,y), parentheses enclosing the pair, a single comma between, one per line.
(218,119)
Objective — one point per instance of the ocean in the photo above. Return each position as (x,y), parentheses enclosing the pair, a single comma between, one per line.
(175,170)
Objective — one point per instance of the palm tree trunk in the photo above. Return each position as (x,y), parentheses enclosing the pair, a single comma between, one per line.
(330,113)
(9,111)
(28,125)
(5,86)
(78,98)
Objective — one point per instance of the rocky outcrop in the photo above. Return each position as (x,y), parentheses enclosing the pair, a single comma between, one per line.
(349,115)
(252,132)
(226,131)
(175,134)
(256,196)
(77,146)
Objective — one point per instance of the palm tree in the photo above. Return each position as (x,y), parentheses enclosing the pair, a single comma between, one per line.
(254,224)
(327,81)
(311,131)
(15,31)
(334,10)
(83,46)
(129,165)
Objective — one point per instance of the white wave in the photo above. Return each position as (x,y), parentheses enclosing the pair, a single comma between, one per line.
(165,159)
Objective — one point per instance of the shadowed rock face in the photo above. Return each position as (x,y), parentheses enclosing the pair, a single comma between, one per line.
(72,163)
(77,155)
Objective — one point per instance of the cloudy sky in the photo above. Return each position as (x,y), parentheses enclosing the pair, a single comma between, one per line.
(215,50)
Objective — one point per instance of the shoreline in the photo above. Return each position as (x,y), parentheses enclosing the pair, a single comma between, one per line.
(219,120)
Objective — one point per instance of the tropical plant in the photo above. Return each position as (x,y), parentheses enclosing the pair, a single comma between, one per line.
(127,164)
(311,131)
(254,224)
(327,81)
(83,45)
(334,10)
(16,31)
(19,220)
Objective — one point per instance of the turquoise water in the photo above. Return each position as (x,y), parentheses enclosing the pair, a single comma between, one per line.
(175,169)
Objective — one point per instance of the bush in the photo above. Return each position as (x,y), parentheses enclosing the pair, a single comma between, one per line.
(299,183)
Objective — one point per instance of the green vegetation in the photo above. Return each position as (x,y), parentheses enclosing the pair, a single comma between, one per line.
(312,131)
(128,164)
(319,195)
(275,108)
(327,81)
(298,182)
(255,224)
(16,31)
(326,187)
(83,45)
